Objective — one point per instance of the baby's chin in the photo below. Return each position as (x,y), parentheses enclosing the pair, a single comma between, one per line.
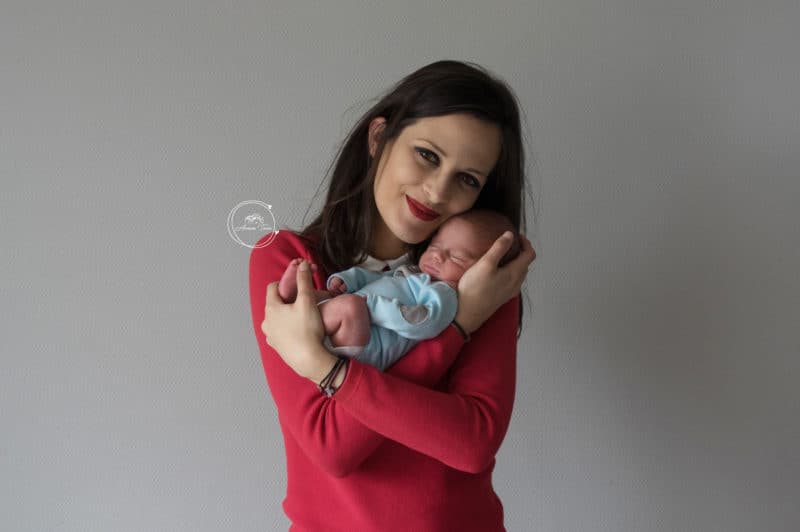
(453,284)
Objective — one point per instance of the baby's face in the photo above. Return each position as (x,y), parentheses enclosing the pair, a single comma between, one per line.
(452,251)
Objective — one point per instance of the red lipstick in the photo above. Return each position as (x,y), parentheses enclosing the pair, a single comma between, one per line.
(421,211)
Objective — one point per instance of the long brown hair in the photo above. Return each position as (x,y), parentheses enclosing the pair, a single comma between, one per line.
(340,235)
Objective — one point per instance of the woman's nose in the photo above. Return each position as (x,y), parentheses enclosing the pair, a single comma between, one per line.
(436,187)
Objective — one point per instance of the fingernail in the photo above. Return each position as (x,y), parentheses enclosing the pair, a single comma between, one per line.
(303,266)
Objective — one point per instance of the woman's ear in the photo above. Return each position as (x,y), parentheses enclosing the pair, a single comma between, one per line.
(376,127)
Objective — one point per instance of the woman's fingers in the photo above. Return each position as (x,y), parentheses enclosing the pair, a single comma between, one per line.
(273,297)
(527,248)
(519,266)
(305,287)
(295,330)
(526,254)
(484,286)
(498,249)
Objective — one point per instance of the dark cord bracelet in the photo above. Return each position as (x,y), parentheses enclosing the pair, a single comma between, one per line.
(461,330)
(326,385)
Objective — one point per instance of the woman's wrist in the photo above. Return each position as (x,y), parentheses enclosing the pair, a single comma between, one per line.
(335,377)
(322,364)
(464,334)
(466,322)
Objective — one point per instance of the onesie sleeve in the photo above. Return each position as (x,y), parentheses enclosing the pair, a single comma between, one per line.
(327,433)
(435,308)
(462,425)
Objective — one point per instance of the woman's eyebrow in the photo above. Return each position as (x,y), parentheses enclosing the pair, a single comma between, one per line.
(443,153)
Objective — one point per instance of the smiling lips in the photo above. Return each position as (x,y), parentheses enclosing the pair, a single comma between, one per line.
(421,211)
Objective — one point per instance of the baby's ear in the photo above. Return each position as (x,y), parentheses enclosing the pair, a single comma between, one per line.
(512,252)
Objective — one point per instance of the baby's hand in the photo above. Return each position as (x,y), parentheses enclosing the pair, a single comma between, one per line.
(338,286)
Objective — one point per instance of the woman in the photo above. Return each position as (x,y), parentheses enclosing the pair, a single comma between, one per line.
(411,448)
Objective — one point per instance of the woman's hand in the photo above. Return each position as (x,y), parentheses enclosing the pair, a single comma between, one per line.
(484,287)
(295,330)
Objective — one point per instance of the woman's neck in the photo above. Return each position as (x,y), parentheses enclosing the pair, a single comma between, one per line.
(385,246)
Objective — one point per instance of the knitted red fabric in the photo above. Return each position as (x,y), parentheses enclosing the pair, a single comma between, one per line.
(411,448)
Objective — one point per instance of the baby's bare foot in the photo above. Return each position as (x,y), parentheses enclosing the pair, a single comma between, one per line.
(287,288)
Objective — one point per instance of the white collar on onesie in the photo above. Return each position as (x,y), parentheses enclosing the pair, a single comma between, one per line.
(377,265)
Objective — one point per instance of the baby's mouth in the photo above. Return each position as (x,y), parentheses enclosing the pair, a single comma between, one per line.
(433,272)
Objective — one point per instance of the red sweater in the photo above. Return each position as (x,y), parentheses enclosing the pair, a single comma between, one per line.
(409,449)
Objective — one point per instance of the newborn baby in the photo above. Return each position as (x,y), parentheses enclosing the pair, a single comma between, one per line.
(378,317)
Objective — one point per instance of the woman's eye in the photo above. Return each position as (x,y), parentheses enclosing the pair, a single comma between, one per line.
(424,153)
(433,158)
(471,181)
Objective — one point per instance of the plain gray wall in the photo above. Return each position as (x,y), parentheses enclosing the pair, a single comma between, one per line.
(658,371)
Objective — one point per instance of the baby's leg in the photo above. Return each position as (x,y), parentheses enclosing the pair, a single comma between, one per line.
(287,287)
(346,320)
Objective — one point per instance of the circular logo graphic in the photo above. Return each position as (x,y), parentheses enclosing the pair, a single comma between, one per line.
(249,221)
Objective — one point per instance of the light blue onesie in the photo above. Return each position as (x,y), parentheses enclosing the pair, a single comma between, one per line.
(405,307)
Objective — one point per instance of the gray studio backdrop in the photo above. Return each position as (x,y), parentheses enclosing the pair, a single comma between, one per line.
(658,371)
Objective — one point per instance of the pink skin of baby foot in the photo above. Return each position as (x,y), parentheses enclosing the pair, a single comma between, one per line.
(287,287)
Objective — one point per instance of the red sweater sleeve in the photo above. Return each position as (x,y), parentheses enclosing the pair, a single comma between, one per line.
(328,434)
(462,426)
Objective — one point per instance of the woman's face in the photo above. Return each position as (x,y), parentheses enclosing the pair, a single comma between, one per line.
(433,170)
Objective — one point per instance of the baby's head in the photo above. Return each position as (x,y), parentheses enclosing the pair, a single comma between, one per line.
(462,240)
